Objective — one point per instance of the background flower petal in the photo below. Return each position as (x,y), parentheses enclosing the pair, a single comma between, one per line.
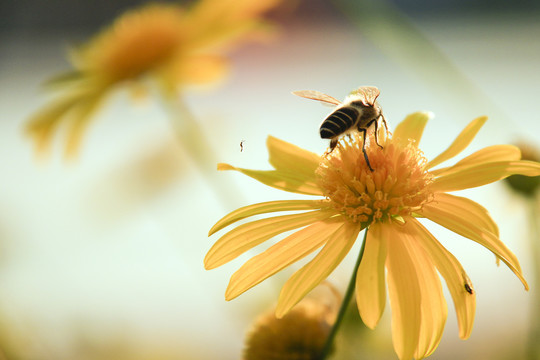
(318,269)
(228,22)
(488,154)
(454,275)
(287,181)
(287,157)
(75,105)
(277,257)
(194,70)
(43,124)
(264,208)
(246,236)
(482,174)
(412,127)
(370,279)
(79,120)
(460,143)
(461,223)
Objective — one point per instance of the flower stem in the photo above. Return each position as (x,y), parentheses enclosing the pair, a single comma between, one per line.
(533,350)
(344,304)
(191,137)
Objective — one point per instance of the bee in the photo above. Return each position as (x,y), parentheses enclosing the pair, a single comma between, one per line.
(469,289)
(242,145)
(358,112)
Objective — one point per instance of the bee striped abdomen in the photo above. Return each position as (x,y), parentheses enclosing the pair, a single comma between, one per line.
(338,122)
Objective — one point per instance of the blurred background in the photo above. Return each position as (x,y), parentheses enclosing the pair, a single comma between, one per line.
(102,256)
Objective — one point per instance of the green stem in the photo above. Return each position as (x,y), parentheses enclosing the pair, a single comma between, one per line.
(533,349)
(192,138)
(345,303)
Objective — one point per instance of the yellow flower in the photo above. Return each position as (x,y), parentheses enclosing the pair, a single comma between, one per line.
(387,202)
(170,44)
(300,334)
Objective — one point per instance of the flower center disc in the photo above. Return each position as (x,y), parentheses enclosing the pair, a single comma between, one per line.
(139,41)
(397,186)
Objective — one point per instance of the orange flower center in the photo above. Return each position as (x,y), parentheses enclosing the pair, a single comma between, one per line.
(397,186)
(139,41)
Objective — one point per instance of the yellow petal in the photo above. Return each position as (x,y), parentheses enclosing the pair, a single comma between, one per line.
(250,8)
(65,79)
(454,275)
(44,122)
(81,97)
(204,69)
(80,118)
(476,213)
(221,36)
(42,125)
(287,157)
(482,174)
(246,236)
(228,21)
(287,181)
(404,294)
(370,280)
(191,70)
(460,143)
(412,127)
(263,208)
(488,154)
(216,10)
(461,223)
(318,269)
(433,309)
(285,252)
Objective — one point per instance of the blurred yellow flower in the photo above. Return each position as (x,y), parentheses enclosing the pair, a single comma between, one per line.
(300,334)
(170,44)
(387,202)
(525,186)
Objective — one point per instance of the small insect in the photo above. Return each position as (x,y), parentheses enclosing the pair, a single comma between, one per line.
(358,112)
(242,145)
(468,288)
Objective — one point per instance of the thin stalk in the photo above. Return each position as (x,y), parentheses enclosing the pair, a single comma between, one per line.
(533,349)
(192,138)
(344,304)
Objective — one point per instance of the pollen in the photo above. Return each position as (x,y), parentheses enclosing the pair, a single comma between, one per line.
(398,185)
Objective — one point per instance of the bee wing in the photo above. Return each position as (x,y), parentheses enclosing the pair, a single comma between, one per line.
(317,95)
(367,94)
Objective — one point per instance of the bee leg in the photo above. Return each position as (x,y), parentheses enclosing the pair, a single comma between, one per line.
(377,134)
(333,144)
(384,123)
(363,131)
